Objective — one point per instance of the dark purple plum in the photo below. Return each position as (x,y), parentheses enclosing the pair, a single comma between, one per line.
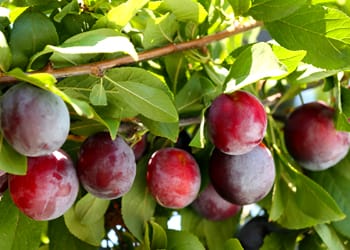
(49,187)
(34,121)
(173,177)
(212,206)
(311,138)
(243,179)
(236,122)
(106,167)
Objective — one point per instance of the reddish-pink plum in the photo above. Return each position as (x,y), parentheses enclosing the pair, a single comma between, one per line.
(236,122)
(34,121)
(243,179)
(49,187)
(212,206)
(173,177)
(311,138)
(106,167)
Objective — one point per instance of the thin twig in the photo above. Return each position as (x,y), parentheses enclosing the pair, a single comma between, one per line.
(101,66)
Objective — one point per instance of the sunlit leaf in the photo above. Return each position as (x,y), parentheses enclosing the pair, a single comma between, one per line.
(254,63)
(316,29)
(269,10)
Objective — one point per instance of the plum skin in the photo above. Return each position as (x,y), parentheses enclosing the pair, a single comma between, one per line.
(34,121)
(236,122)
(210,205)
(48,189)
(173,177)
(243,179)
(311,138)
(106,168)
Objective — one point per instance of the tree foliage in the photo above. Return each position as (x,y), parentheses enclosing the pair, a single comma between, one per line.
(154,67)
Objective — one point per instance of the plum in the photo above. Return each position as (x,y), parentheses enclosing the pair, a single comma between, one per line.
(242,179)
(311,138)
(48,189)
(212,206)
(34,121)
(173,177)
(236,122)
(106,168)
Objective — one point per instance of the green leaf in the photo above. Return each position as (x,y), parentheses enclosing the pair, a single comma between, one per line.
(138,204)
(160,31)
(316,29)
(329,237)
(269,10)
(17,231)
(98,95)
(90,233)
(61,238)
(176,66)
(290,59)
(336,181)
(295,198)
(5,53)
(123,13)
(233,244)
(158,236)
(38,31)
(130,86)
(345,101)
(240,6)
(306,73)
(182,240)
(195,95)
(199,139)
(213,234)
(90,209)
(84,47)
(187,10)
(248,66)
(70,8)
(10,160)
(163,129)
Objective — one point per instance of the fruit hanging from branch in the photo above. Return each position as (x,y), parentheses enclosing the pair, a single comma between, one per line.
(243,179)
(173,177)
(236,122)
(106,167)
(34,121)
(312,139)
(48,189)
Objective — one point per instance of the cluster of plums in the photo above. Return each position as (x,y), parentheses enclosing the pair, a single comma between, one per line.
(36,123)
(241,168)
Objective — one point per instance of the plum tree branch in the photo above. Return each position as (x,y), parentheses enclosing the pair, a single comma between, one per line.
(101,66)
